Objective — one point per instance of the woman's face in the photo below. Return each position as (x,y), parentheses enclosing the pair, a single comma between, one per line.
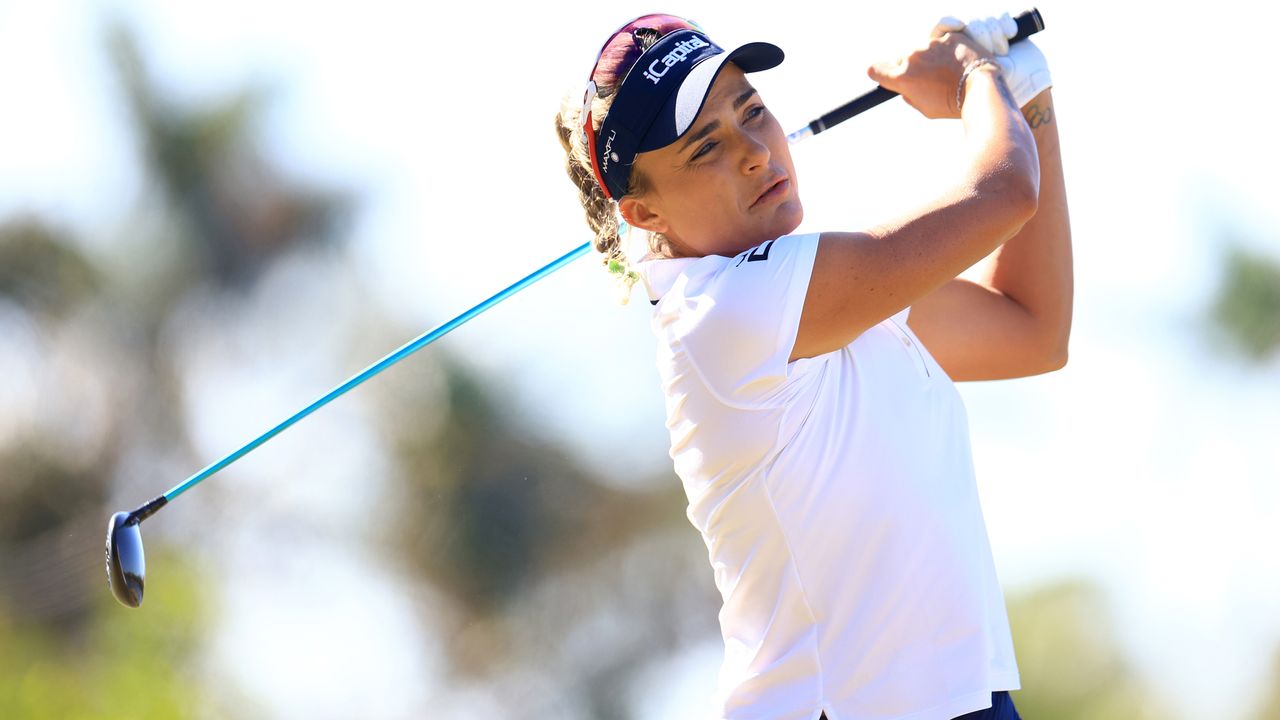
(727,185)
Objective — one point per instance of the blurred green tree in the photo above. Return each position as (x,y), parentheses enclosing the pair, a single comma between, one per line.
(1269,707)
(1246,309)
(66,649)
(44,279)
(42,270)
(118,665)
(1071,665)
(491,511)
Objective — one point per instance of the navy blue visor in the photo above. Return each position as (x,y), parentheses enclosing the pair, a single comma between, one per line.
(659,99)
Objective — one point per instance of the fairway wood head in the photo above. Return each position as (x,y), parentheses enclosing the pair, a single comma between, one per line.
(126,567)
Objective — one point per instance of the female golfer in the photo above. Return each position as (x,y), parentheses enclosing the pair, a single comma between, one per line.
(808,378)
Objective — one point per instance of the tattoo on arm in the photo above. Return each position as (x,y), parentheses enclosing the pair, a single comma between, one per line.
(1037,116)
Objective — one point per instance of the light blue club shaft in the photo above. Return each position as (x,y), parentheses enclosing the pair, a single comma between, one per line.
(396,356)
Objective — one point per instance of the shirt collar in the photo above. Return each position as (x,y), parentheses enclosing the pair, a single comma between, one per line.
(659,274)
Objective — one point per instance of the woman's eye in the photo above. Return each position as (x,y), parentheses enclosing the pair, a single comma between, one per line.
(755,111)
(703,150)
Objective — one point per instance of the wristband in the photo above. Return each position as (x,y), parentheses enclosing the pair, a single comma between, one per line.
(964,77)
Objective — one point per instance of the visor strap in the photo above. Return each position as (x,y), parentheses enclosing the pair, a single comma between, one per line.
(590,136)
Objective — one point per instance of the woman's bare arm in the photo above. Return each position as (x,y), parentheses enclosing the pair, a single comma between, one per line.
(1014,318)
(859,279)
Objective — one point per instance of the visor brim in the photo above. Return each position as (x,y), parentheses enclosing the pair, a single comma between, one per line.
(682,107)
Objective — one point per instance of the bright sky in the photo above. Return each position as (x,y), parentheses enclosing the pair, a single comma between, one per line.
(1148,464)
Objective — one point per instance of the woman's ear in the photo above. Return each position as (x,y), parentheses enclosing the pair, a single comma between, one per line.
(642,214)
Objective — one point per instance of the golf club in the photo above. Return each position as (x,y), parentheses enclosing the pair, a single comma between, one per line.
(1029,23)
(126,564)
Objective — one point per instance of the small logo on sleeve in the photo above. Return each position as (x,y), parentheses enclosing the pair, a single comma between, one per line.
(756,255)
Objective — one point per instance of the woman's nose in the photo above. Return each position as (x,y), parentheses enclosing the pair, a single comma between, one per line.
(755,153)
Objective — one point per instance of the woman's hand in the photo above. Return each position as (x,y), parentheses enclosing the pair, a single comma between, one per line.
(928,78)
(1025,70)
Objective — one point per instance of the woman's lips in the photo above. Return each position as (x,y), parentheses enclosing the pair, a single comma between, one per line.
(775,191)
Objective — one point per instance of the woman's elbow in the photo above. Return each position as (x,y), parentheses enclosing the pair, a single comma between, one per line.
(1054,356)
(1013,196)
(1058,360)
(1023,195)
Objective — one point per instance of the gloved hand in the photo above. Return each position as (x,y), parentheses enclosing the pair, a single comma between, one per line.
(1026,71)
(991,33)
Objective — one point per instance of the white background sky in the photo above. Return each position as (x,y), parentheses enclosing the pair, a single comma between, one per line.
(1149,464)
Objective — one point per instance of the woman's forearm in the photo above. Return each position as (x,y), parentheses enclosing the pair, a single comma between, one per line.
(1004,161)
(1034,268)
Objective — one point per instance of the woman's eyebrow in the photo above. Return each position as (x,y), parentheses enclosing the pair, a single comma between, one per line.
(711,127)
(705,131)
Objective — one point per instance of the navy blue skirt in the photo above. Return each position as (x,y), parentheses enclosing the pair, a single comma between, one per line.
(1001,709)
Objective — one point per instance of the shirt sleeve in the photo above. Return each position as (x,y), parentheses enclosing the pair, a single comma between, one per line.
(742,333)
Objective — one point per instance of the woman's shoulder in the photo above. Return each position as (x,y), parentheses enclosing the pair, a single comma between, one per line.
(746,274)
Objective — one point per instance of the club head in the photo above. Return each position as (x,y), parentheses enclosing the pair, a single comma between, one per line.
(126,566)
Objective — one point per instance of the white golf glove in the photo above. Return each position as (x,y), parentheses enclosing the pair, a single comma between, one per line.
(1025,70)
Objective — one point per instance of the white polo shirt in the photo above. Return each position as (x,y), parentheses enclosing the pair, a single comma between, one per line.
(836,497)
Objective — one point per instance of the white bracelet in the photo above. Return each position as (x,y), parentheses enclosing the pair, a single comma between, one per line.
(964,77)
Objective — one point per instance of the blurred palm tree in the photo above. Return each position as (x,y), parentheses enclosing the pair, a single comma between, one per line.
(235,211)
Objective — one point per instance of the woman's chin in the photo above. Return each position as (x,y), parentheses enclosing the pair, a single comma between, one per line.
(791,214)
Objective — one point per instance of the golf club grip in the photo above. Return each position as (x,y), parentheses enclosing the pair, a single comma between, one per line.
(1029,23)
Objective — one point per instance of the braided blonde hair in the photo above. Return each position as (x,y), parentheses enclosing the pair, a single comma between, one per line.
(602,213)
